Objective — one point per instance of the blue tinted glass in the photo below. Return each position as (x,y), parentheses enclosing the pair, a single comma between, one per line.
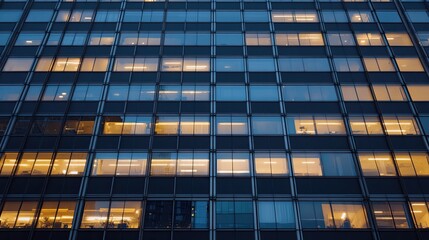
(10,93)
(255,16)
(228,16)
(4,37)
(39,16)
(263,93)
(230,93)
(9,15)
(229,39)
(388,16)
(260,65)
(229,64)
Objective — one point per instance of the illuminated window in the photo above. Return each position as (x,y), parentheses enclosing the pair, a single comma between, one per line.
(44,64)
(18,214)
(369,39)
(66,65)
(166,125)
(398,39)
(294,16)
(400,125)
(356,93)
(188,125)
(360,16)
(316,125)
(365,125)
(389,92)
(309,93)
(299,39)
(8,162)
(128,125)
(136,65)
(195,93)
(333,215)
(232,164)
(377,164)
(341,39)
(276,214)
(271,164)
(181,164)
(409,65)
(122,164)
(185,65)
(193,164)
(140,38)
(258,39)
(70,164)
(114,214)
(306,165)
(391,215)
(412,163)
(100,38)
(231,125)
(169,93)
(378,64)
(34,164)
(18,65)
(94,64)
(56,214)
(419,92)
(421,214)
(163,164)
(194,125)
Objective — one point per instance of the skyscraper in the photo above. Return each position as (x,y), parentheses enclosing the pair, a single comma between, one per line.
(214,120)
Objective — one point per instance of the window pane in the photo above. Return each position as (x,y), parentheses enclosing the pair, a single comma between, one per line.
(233,164)
(231,125)
(377,164)
(271,164)
(306,165)
(267,126)
(276,214)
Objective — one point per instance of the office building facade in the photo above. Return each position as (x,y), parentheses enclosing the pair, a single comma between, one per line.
(214,120)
